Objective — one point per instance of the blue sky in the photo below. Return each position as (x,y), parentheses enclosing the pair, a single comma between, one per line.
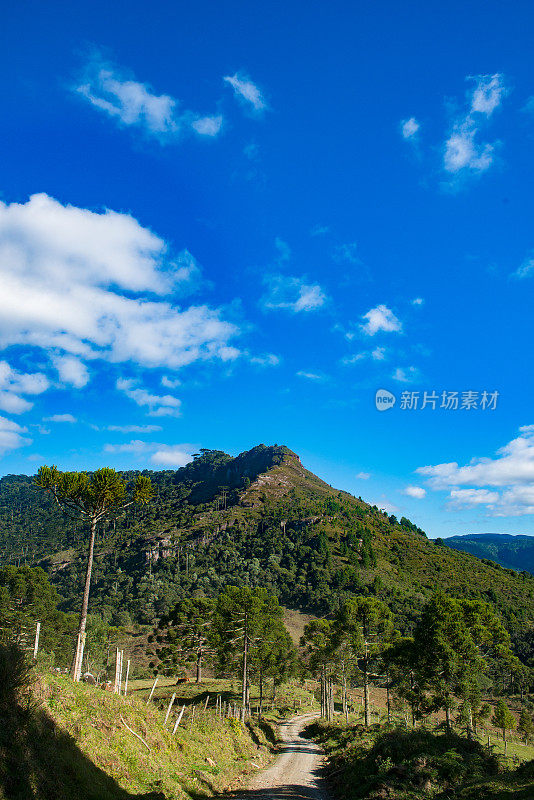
(222,224)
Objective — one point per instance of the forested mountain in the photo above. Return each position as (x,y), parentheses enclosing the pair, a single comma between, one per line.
(259,519)
(514,552)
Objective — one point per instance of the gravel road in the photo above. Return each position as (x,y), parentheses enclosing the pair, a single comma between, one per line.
(295,775)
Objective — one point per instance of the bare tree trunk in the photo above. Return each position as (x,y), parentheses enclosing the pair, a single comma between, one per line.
(198,678)
(80,643)
(245,671)
(388,697)
(367,716)
(260,708)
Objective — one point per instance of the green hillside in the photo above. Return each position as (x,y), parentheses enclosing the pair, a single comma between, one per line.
(513,552)
(258,519)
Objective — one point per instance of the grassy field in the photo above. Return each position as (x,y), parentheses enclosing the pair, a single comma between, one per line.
(293,697)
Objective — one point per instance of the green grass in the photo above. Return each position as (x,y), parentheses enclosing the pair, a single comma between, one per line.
(408,764)
(290,698)
(73,744)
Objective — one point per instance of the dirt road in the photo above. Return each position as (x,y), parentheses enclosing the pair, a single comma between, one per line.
(295,773)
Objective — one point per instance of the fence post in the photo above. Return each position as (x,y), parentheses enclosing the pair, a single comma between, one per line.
(169,709)
(117,665)
(36,643)
(178,720)
(127,674)
(152,691)
(121,653)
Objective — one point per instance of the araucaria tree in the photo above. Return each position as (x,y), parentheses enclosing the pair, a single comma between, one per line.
(188,633)
(247,623)
(454,643)
(320,657)
(365,620)
(503,719)
(90,498)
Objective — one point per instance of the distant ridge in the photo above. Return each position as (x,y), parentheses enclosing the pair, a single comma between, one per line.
(513,552)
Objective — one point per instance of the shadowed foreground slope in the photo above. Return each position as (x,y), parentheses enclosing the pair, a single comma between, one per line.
(66,741)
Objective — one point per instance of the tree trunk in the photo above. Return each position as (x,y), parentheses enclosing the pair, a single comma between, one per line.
(76,667)
(448,715)
(198,678)
(260,708)
(388,698)
(367,717)
(245,671)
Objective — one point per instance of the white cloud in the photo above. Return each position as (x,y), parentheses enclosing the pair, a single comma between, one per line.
(71,370)
(378,354)
(406,374)
(68,275)
(471,498)
(246,91)
(354,359)
(14,384)
(13,403)
(311,376)
(11,435)
(113,91)
(363,476)
(511,472)
(158,405)
(488,93)
(166,455)
(267,360)
(292,294)
(462,150)
(409,127)
(136,446)
(526,269)
(170,383)
(416,492)
(418,301)
(61,418)
(173,455)
(134,428)
(380,318)
(207,126)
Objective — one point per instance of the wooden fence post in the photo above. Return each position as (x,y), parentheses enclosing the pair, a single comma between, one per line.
(119,687)
(169,709)
(152,691)
(178,720)
(36,643)
(117,666)
(127,675)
